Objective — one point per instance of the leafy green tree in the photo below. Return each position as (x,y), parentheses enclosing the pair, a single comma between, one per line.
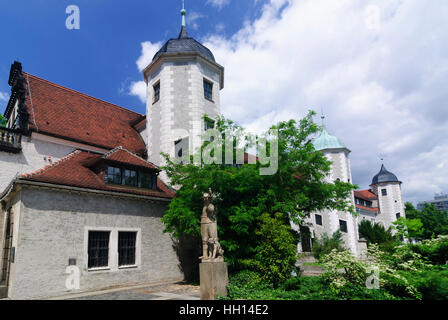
(375,232)
(408,228)
(296,189)
(434,221)
(3,121)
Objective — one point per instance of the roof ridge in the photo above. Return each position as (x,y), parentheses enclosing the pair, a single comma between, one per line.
(111,152)
(48,167)
(78,92)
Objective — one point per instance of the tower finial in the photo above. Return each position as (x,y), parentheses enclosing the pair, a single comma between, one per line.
(183,12)
(322,116)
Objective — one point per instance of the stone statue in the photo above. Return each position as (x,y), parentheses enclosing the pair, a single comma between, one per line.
(211,249)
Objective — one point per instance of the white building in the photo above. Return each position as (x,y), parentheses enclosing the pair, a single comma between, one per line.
(80,185)
(382,203)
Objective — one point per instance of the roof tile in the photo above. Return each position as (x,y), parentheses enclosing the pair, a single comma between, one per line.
(76,170)
(65,113)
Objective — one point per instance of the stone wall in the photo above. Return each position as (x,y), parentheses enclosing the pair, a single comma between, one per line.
(34,156)
(54,228)
(181,107)
(391,204)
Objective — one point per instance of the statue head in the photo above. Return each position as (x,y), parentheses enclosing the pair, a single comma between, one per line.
(208,196)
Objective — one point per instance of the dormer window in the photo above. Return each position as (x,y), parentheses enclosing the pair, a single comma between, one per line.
(208,90)
(148,180)
(130,177)
(113,175)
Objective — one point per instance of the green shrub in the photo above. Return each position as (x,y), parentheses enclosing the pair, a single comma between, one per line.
(326,244)
(246,283)
(348,276)
(250,285)
(276,254)
(435,250)
(375,233)
(432,284)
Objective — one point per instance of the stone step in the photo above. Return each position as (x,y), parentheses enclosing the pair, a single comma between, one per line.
(307,270)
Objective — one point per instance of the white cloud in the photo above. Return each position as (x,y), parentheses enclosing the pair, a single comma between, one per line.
(218,3)
(192,18)
(4,97)
(138,89)
(149,49)
(378,69)
(220,27)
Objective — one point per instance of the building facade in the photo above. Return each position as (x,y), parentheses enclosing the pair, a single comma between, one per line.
(382,203)
(80,188)
(440,201)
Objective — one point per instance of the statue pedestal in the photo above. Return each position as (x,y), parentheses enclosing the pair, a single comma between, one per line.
(214,279)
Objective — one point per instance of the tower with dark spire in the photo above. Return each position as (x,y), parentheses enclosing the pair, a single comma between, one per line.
(183,84)
(387,188)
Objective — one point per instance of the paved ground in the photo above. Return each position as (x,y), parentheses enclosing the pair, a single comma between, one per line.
(175,291)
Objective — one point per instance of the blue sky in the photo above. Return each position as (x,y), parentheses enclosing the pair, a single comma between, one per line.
(378,68)
(100,58)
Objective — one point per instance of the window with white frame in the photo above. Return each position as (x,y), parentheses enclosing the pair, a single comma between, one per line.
(98,249)
(112,248)
(156,89)
(208,90)
(126,248)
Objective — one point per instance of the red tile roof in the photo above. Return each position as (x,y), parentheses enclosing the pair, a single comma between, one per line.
(77,170)
(65,113)
(365,194)
(124,156)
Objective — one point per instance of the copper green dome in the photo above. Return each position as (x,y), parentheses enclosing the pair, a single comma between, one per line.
(327,141)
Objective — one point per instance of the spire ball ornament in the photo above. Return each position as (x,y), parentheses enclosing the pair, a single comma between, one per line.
(183,12)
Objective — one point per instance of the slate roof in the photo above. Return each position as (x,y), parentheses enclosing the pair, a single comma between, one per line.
(65,113)
(384,176)
(184,44)
(85,170)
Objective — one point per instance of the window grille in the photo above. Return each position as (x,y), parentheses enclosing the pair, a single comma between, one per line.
(98,249)
(126,248)
(208,90)
(156,92)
